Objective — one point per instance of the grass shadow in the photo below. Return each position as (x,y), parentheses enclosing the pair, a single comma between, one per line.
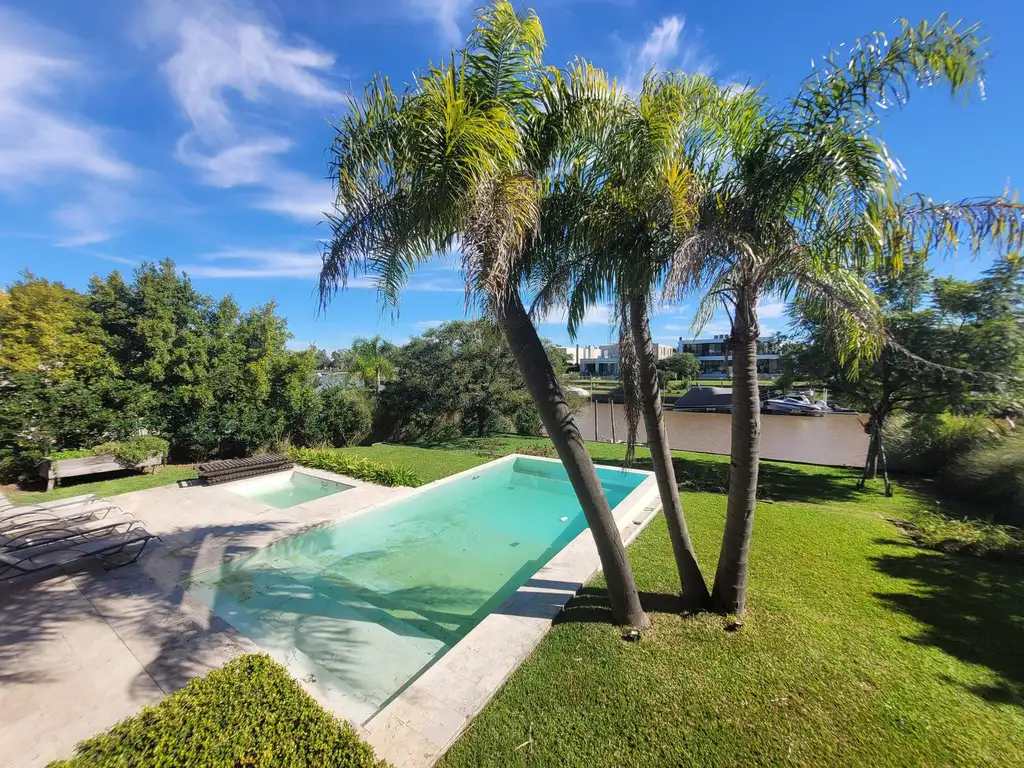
(694,472)
(971,608)
(777,482)
(590,606)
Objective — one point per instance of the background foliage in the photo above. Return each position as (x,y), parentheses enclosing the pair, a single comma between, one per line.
(459,379)
(154,356)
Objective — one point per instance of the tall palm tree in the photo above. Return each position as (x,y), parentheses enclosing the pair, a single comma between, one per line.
(612,224)
(372,358)
(457,161)
(804,200)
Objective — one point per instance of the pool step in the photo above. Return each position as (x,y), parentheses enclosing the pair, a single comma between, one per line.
(358,654)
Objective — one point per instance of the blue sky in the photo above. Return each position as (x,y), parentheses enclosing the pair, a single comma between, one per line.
(136,130)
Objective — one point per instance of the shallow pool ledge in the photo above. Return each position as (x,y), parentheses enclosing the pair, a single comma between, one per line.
(416,728)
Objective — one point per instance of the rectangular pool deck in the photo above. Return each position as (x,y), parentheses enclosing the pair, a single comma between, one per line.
(79,652)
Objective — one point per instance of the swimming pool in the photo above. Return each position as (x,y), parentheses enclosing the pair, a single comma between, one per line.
(286,489)
(365,605)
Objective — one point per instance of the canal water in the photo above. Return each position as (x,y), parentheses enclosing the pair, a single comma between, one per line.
(836,439)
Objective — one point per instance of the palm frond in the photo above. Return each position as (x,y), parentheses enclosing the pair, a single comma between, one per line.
(877,73)
(922,225)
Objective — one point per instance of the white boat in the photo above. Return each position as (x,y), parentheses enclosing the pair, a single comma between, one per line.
(796,405)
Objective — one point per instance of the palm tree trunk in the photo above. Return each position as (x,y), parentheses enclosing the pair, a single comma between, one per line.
(695,591)
(871,467)
(729,593)
(558,420)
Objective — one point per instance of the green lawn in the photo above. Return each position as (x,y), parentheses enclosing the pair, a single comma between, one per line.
(111,487)
(858,649)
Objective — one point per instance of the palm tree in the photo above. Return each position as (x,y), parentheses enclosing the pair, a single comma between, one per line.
(457,161)
(803,200)
(612,224)
(371,358)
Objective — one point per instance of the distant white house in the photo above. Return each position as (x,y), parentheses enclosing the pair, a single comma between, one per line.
(606,360)
(710,353)
(578,352)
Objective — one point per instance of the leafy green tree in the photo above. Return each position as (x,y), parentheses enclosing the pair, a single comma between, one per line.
(684,367)
(457,160)
(372,359)
(954,344)
(347,415)
(49,329)
(459,379)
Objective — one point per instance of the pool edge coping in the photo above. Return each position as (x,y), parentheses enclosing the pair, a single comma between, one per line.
(416,728)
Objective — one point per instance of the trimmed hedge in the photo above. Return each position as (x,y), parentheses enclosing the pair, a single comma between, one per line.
(249,713)
(361,469)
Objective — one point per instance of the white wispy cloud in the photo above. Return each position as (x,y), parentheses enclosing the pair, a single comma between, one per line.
(446,15)
(255,263)
(222,47)
(424,325)
(668,45)
(45,143)
(770,310)
(227,66)
(599,314)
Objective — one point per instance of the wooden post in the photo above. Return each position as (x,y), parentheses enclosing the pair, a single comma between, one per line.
(611,413)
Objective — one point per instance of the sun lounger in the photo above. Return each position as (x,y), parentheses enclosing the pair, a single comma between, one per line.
(59,530)
(85,498)
(27,516)
(112,551)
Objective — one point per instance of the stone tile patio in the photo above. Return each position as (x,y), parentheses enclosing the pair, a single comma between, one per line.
(80,652)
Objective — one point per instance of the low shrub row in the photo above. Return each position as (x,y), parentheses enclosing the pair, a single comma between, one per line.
(127,452)
(361,469)
(966,536)
(973,458)
(991,476)
(248,713)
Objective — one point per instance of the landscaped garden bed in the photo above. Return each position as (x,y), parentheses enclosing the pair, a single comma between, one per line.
(137,453)
(249,713)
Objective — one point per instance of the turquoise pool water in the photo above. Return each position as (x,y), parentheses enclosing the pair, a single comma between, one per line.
(365,605)
(283,491)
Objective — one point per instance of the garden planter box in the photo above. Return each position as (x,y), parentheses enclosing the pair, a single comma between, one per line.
(90,465)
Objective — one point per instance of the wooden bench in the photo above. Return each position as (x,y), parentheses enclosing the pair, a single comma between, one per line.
(52,471)
(226,470)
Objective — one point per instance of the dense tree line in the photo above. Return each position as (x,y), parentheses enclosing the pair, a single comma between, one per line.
(153,355)
(955,345)
(458,379)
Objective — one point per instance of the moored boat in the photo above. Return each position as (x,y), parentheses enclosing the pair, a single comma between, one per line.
(796,405)
(705,400)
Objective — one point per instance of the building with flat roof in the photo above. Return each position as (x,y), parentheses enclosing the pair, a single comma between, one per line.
(711,353)
(580,352)
(606,361)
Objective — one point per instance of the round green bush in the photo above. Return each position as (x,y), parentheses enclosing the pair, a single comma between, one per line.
(347,415)
(249,713)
